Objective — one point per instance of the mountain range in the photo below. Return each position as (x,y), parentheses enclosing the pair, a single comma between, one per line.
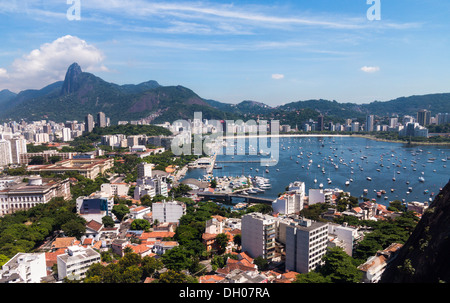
(82,93)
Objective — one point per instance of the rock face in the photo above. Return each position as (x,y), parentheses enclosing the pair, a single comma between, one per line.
(71,81)
(425,257)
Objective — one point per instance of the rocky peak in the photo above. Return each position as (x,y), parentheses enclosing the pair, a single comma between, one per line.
(71,81)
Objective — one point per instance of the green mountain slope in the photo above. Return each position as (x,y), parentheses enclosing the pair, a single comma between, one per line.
(82,93)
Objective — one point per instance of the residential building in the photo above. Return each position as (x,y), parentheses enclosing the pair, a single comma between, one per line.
(24,268)
(369,123)
(258,235)
(374,267)
(89,123)
(74,263)
(144,170)
(101,119)
(423,117)
(290,202)
(306,243)
(160,247)
(168,211)
(5,153)
(139,212)
(319,196)
(320,124)
(18,147)
(115,189)
(343,236)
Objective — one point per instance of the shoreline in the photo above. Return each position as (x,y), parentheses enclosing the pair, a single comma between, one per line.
(335,135)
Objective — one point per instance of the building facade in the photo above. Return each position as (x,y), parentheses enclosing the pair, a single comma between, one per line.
(22,196)
(76,261)
(258,232)
(306,243)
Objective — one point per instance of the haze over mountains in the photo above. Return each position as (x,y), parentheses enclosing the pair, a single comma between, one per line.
(82,93)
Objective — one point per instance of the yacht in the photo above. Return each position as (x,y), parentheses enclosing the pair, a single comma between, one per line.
(421,179)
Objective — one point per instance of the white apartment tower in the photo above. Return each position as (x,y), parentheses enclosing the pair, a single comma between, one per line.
(258,235)
(306,243)
(5,153)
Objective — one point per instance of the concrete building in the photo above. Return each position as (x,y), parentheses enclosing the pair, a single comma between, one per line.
(101,119)
(115,189)
(424,117)
(258,234)
(24,268)
(319,196)
(342,236)
(89,168)
(144,170)
(170,212)
(306,243)
(89,123)
(95,206)
(290,202)
(18,147)
(5,153)
(369,123)
(76,261)
(20,195)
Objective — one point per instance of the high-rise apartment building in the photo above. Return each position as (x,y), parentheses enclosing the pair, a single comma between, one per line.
(144,170)
(320,124)
(306,243)
(101,119)
(369,123)
(424,117)
(5,153)
(258,232)
(89,123)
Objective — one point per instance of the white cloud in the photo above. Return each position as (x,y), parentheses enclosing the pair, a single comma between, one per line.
(277,76)
(49,63)
(370,69)
(3,73)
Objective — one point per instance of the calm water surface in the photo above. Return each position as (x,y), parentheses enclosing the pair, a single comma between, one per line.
(341,159)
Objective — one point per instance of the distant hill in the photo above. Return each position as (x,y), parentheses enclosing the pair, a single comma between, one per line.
(82,93)
(5,98)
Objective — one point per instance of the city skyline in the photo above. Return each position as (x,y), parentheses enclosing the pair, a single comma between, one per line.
(265,51)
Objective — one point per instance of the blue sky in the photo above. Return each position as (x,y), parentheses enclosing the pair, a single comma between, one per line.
(269,51)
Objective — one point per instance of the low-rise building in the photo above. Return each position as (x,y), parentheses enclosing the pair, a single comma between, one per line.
(76,261)
(170,211)
(20,195)
(24,268)
(89,168)
(374,267)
